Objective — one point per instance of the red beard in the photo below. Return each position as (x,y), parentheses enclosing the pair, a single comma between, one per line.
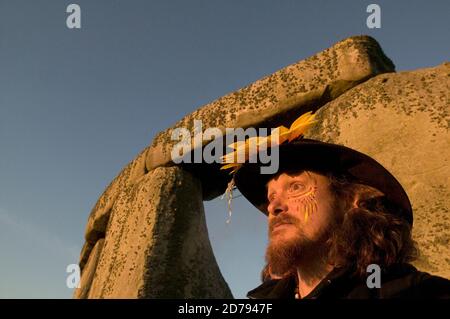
(285,251)
(289,246)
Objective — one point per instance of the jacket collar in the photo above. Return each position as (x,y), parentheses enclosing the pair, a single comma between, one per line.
(285,288)
(339,283)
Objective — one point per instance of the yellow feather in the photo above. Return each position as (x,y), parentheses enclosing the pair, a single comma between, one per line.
(230,158)
(297,128)
(301,125)
(234,145)
(304,118)
(235,169)
(283,134)
(229,165)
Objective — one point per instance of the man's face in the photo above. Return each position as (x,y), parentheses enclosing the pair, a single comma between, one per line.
(300,217)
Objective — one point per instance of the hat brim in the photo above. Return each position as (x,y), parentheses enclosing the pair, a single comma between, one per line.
(323,157)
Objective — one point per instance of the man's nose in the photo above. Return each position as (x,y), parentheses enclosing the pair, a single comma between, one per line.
(277,206)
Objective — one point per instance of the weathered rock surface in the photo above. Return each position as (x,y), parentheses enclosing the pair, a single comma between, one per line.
(99,217)
(403,121)
(88,271)
(302,86)
(295,89)
(157,244)
(151,216)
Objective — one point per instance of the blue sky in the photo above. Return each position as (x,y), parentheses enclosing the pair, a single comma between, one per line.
(78,105)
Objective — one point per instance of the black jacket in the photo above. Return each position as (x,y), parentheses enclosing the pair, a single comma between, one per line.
(399,281)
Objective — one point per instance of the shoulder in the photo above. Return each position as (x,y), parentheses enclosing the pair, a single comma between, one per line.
(430,286)
(274,289)
(412,283)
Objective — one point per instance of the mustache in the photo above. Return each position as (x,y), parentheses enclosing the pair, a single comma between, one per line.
(286,219)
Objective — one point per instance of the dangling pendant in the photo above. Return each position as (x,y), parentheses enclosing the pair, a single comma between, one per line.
(229,194)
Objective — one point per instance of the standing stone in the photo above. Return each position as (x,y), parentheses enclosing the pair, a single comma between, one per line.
(295,89)
(99,216)
(88,272)
(152,217)
(157,244)
(403,121)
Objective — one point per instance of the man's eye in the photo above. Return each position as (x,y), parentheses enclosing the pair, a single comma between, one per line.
(296,188)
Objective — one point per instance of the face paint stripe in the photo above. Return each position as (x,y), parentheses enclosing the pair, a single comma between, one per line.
(308,201)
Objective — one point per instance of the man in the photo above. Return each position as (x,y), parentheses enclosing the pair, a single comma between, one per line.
(333,214)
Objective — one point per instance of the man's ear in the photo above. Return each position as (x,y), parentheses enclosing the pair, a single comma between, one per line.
(364,193)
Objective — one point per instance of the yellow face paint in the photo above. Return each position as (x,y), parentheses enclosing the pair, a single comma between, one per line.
(304,197)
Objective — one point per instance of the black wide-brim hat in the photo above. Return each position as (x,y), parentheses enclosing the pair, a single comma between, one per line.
(308,154)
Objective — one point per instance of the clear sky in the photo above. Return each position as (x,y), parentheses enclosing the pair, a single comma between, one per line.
(78,105)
